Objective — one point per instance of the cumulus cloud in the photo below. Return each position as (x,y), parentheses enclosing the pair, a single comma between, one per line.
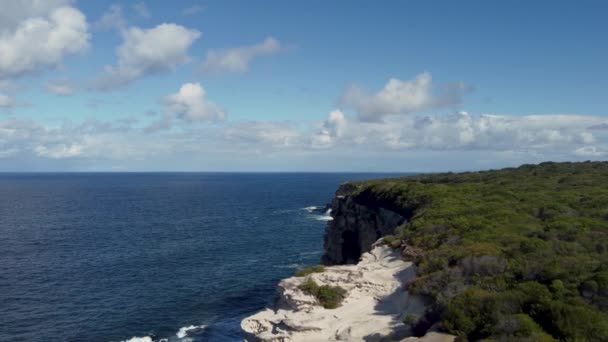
(148,51)
(238,59)
(401,97)
(458,140)
(43,41)
(564,134)
(189,104)
(14,12)
(60,87)
(333,128)
(59,151)
(590,151)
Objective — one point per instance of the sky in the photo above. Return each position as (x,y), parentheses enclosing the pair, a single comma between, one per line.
(328,86)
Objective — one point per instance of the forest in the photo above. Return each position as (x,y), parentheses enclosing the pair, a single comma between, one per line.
(513,254)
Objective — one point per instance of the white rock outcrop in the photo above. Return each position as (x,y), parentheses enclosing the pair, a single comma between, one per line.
(374,307)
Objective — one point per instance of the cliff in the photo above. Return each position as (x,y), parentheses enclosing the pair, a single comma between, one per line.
(512,254)
(373,274)
(357,223)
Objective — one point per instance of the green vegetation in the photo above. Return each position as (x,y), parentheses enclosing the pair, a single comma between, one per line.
(310,270)
(512,254)
(329,297)
(392,241)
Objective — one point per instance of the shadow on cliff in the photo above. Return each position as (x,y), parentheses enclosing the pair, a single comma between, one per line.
(397,305)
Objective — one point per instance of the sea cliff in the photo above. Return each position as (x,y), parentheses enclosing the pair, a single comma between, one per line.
(373,274)
(517,254)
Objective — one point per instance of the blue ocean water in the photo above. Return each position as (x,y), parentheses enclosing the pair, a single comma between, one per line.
(110,256)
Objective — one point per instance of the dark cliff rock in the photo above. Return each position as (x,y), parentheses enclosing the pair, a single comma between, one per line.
(358,222)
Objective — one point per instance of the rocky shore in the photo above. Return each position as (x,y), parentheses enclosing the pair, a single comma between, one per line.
(374,307)
(373,274)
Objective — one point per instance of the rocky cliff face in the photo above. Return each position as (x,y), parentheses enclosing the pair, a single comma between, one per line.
(373,309)
(357,223)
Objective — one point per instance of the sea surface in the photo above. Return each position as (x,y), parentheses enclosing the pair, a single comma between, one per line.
(152,256)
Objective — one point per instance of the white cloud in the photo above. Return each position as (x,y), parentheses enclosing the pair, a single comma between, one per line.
(59,151)
(6,101)
(141,9)
(333,128)
(112,19)
(14,12)
(190,104)
(238,59)
(43,42)
(590,151)
(457,141)
(464,132)
(61,88)
(401,97)
(148,51)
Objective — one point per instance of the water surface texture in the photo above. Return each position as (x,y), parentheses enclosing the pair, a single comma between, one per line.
(106,257)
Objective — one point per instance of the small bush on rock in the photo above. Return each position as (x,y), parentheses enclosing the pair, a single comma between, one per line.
(330,297)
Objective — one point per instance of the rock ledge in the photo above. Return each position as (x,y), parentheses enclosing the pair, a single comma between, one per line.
(373,309)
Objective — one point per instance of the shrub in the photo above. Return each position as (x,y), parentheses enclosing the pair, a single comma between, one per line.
(392,241)
(330,297)
(310,270)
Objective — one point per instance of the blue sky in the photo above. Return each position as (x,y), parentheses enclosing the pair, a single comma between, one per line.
(300,86)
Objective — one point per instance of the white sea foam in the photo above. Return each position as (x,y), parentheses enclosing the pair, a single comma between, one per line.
(186,331)
(324,217)
(140,339)
(311,208)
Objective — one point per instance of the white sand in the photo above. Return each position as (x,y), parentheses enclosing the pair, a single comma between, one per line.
(375,305)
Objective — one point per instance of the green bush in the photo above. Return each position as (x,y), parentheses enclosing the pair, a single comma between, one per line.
(392,241)
(330,297)
(310,270)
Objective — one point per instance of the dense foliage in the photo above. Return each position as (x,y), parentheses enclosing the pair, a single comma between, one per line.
(512,254)
(330,297)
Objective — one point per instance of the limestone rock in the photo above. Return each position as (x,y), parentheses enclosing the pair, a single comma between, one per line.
(374,307)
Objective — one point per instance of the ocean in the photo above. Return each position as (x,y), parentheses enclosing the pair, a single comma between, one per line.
(152,256)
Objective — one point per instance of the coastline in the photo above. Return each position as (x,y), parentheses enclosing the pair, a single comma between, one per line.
(374,308)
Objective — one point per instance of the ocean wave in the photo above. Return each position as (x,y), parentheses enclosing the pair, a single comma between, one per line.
(323,217)
(189,330)
(139,339)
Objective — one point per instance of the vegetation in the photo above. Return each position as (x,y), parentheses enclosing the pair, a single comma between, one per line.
(392,241)
(512,254)
(310,270)
(330,297)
